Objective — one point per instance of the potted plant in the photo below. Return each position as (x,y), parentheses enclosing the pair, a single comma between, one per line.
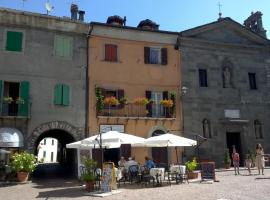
(19,100)
(99,100)
(123,101)
(191,166)
(7,100)
(227,159)
(141,101)
(23,163)
(88,175)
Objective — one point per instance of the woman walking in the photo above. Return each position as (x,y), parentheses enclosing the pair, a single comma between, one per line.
(259,158)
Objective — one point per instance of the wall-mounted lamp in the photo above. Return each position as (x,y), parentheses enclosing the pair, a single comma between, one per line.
(184,90)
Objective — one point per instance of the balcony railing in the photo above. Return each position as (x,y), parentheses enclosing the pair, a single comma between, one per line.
(135,110)
(14,109)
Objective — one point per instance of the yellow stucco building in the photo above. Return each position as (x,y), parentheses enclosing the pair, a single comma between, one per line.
(137,67)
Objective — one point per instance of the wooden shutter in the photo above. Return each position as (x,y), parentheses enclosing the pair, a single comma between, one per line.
(110,52)
(148,95)
(164,59)
(58,46)
(58,94)
(1,89)
(1,95)
(65,95)
(125,150)
(120,94)
(24,95)
(146,55)
(114,53)
(14,41)
(165,95)
(67,47)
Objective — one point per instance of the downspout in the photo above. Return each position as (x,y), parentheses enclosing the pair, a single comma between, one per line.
(87,84)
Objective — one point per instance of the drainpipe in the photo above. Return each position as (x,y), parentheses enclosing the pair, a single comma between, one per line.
(87,85)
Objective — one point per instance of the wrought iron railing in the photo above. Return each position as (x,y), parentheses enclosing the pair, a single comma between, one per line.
(137,110)
(15,108)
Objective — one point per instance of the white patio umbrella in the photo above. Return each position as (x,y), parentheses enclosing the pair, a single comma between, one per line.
(113,139)
(167,140)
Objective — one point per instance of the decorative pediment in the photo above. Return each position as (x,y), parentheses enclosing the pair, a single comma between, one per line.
(225,31)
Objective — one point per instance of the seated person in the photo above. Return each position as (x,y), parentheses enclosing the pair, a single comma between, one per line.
(122,162)
(149,163)
(131,161)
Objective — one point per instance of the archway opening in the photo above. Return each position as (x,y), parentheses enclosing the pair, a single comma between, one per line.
(57,161)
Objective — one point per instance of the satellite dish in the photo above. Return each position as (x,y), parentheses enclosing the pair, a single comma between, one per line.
(49,7)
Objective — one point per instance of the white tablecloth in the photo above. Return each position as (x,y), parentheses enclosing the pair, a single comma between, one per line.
(157,171)
(181,169)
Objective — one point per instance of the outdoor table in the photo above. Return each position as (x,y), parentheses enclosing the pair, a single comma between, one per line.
(158,173)
(176,172)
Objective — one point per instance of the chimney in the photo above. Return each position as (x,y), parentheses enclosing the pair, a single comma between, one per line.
(74,11)
(81,15)
(254,23)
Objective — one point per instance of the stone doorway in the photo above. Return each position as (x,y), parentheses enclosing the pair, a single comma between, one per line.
(159,154)
(234,140)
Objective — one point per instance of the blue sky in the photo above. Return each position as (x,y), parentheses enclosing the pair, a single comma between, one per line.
(172,15)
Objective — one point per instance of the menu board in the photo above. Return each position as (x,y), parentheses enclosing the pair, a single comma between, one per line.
(108,180)
(208,171)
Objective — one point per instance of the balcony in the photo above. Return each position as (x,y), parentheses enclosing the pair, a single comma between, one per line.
(17,109)
(135,111)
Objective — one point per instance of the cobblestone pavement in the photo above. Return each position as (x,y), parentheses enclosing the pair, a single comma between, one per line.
(229,187)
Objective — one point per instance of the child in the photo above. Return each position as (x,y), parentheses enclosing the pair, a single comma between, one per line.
(248,163)
(235,158)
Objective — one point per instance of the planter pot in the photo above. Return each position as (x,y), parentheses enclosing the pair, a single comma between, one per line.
(22,176)
(89,186)
(192,175)
(228,166)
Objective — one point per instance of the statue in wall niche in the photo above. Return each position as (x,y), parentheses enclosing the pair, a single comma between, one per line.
(226,77)
(206,128)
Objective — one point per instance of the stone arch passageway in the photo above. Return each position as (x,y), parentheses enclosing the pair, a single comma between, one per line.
(64,133)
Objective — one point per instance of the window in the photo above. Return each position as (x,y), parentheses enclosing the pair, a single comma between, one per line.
(51,156)
(52,142)
(206,128)
(14,41)
(252,81)
(110,52)
(61,95)
(14,98)
(44,154)
(154,55)
(118,94)
(155,109)
(203,78)
(258,129)
(63,46)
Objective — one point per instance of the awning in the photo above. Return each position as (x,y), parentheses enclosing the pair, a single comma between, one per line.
(11,137)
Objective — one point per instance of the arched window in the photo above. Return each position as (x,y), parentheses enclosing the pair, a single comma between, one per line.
(258,129)
(206,128)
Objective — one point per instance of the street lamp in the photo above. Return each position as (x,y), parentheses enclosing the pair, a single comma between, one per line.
(183,92)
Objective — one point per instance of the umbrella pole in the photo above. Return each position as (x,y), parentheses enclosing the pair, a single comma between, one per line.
(176,154)
(101,152)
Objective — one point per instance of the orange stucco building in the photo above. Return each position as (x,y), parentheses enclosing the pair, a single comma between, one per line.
(132,65)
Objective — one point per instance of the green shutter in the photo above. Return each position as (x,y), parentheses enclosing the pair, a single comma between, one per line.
(14,41)
(65,95)
(1,97)
(58,48)
(24,96)
(58,94)
(1,89)
(67,51)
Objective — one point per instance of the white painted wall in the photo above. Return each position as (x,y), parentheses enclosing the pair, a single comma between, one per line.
(49,146)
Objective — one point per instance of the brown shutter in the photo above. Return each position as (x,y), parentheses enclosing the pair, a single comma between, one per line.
(114,53)
(164,59)
(125,150)
(120,94)
(149,106)
(107,52)
(146,55)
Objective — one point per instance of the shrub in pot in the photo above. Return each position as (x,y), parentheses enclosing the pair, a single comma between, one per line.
(23,164)
(227,159)
(191,166)
(89,175)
